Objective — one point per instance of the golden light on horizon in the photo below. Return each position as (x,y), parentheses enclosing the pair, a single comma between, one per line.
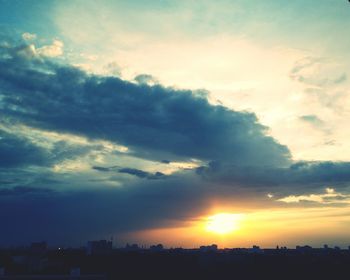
(223,223)
(233,228)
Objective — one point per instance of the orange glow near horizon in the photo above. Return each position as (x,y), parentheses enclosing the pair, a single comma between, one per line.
(265,227)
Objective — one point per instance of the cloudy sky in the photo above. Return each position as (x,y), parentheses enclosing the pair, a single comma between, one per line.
(180,122)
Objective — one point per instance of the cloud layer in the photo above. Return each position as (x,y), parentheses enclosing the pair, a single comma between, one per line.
(155,123)
(150,119)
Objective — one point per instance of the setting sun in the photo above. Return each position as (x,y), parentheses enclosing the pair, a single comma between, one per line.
(223,223)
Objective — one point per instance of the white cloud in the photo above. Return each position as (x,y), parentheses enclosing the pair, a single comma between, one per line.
(30,51)
(29,36)
(330,196)
(53,50)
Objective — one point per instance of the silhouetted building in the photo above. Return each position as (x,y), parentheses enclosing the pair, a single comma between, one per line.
(38,248)
(99,247)
(208,262)
(156,248)
(132,247)
(34,259)
(304,249)
(256,249)
(210,248)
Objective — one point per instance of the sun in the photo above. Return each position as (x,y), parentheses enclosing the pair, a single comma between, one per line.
(223,223)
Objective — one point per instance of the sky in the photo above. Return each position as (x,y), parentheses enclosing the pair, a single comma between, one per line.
(178,122)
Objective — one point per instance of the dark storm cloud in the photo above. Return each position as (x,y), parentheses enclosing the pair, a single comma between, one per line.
(142,174)
(152,120)
(23,190)
(29,176)
(132,171)
(74,217)
(18,151)
(298,177)
(102,169)
(15,151)
(327,172)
